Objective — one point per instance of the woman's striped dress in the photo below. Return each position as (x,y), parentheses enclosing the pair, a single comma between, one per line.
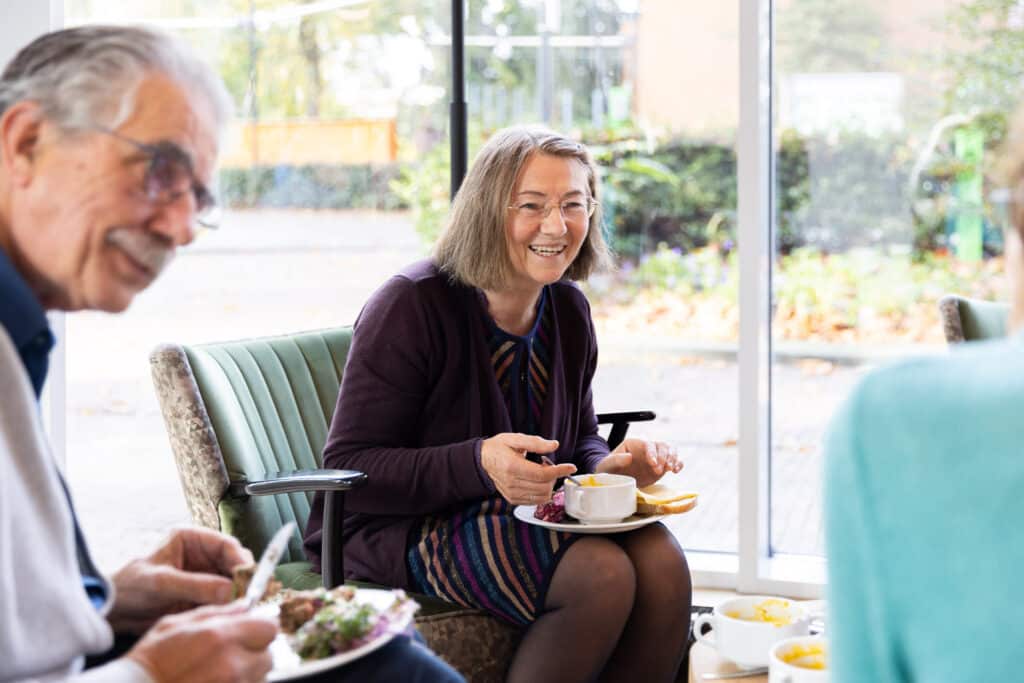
(482,556)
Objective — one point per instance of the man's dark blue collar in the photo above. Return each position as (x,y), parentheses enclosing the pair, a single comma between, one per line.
(24,319)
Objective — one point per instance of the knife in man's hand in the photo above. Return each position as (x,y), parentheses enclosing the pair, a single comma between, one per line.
(265,569)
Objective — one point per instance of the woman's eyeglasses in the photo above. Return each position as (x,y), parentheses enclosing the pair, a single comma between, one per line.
(169,174)
(573,210)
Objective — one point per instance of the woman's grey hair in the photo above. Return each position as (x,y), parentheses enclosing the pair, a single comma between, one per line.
(473,249)
(88,76)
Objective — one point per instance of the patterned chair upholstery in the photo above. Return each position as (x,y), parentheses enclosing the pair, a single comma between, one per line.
(965,320)
(242,411)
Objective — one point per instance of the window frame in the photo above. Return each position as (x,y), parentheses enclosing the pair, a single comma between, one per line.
(35,19)
(759,571)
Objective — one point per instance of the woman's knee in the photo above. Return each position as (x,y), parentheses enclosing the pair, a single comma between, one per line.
(661,566)
(609,570)
(598,571)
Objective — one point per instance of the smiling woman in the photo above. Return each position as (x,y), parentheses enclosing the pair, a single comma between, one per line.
(520,170)
(542,242)
(460,368)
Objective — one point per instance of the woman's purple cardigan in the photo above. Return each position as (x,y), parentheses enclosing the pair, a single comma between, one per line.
(418,397)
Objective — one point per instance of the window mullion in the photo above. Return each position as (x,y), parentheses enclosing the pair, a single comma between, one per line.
(754,221)
(22,22)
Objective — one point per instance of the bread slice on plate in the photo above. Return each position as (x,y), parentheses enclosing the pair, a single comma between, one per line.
(659,499)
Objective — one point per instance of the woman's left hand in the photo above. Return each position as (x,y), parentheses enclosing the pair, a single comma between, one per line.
(645,461)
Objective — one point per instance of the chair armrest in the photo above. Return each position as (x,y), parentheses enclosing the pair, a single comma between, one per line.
(620,423)
(333,483)
(627,416)
(299,480)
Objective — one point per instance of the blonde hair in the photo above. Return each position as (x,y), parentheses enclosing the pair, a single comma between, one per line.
(473,247)
(1008,170)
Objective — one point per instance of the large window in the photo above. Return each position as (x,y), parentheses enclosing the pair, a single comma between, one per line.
(884,119)
(789,187)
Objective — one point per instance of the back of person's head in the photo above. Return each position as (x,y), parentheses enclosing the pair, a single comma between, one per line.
(1008,175)
(88,75)
(1008,172)
(473,248)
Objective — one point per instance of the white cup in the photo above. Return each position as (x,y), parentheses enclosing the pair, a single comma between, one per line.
(611,499)
(793,661)
(740,637)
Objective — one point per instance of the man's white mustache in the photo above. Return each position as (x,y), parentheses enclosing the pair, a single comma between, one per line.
(147,249)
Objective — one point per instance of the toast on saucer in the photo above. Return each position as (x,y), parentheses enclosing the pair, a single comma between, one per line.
(659,499)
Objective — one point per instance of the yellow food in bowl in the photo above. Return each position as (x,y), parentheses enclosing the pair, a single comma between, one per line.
(772,611)
(590,480)
(805,657)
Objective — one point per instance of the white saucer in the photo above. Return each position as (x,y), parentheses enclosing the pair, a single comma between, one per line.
(524,513)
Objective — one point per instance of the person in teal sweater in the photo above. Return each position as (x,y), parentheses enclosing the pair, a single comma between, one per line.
(924,489)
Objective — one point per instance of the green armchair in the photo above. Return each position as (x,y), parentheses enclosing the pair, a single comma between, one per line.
(247,422)
(965,320)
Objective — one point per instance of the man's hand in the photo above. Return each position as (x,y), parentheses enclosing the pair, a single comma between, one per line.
(645,461)
(212,644)
(190,569)
(518,480)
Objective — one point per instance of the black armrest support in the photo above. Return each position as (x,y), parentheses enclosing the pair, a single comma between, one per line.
(333,483)
(620,423)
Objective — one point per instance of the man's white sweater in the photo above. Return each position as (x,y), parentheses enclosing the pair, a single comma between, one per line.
(47,623)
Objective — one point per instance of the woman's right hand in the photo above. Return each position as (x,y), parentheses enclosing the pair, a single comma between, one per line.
(518,480)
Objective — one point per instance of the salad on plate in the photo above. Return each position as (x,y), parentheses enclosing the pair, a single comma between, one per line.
(322,623)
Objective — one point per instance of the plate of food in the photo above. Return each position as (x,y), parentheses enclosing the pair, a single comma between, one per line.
(324,629)
(653,503)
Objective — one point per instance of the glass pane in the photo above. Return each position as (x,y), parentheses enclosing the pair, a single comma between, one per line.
(885,123)
(607,73)
(338,106)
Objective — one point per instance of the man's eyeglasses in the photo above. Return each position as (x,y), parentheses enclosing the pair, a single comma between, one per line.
(573,210)
(169,175)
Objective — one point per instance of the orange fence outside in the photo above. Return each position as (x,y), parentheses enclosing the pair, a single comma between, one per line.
(355,141)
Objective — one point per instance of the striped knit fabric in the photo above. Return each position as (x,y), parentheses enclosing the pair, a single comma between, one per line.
(482,556)
(521,369)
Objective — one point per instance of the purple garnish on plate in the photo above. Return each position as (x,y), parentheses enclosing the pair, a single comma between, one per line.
(553,510)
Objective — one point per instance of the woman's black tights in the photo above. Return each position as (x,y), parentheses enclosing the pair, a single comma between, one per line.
(617,609)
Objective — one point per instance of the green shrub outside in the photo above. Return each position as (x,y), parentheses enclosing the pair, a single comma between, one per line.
(425,187)
(834,192)
(669,269)
(683,193)
(864,294)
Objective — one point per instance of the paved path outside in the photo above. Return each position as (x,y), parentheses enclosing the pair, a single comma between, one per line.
(273,272)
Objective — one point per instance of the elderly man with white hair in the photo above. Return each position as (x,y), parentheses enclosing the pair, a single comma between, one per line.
(108,140)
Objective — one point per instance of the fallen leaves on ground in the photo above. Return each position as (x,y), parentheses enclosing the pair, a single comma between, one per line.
(863,298)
